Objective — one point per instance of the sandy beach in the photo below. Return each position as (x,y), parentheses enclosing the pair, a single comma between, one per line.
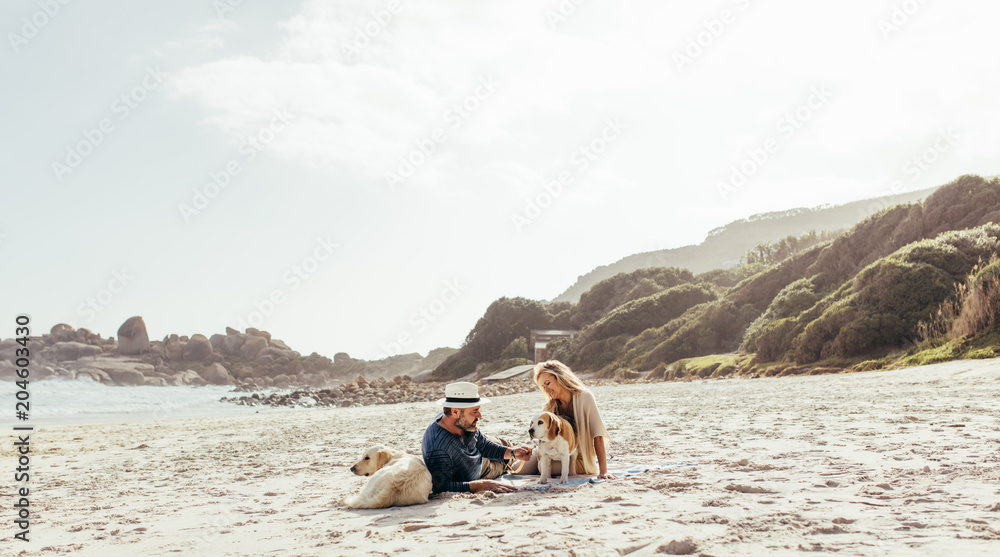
(903,462)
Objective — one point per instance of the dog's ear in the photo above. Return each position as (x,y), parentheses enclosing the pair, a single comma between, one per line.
(554,424)
(383,458)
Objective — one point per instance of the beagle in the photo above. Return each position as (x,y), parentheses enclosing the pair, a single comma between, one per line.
(556,440)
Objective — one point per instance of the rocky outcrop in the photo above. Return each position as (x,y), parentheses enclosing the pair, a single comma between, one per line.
(249,360)
(132,337)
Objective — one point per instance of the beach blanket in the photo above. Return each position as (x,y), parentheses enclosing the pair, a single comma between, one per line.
(620,469)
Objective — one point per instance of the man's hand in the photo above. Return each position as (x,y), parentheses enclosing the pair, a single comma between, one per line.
(490,485)
(522,453)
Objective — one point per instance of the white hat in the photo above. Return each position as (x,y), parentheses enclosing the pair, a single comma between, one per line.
(462,395)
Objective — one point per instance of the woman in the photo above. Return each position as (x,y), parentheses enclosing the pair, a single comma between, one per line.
(568,397)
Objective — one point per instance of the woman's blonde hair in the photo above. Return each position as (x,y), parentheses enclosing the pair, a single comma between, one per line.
(564,376)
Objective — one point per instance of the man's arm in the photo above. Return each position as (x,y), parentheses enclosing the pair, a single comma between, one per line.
(439,465)
(491,450)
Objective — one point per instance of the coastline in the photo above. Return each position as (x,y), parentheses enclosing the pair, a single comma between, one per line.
(868,463)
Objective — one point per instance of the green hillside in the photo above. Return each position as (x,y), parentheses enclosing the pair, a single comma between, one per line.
(809,300)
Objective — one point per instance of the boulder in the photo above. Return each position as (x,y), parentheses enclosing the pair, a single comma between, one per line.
(173,351)
(258,333)
(94,374)
(188,377)
(216,374)
(132,336)
(293,367)
(68,351)
(128,377)
(198,348)
(252,346)
(278,353)
(282,381)
(341,358)
(231,331)
(216,341)
(121,372)
(232,344)
(62,333)
(156,382)
(278,344)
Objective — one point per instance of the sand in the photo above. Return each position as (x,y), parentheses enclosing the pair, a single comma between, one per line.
(883,463)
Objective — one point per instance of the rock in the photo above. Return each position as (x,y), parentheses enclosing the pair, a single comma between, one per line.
(278,344)
(278,353)
(252,346)
(282,381)
(119,371)
(198,348)
(232,343)
(174,351)
(216,341)
(243,373)
(216,374)
(68,351)
(258,333)
(132,336)
(62,333)
(293,368)
(94,374)
(156,382)
(232,331)
(361,381)
(341,358)
(127,377)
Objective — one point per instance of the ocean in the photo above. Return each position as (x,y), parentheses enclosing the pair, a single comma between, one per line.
(63,401)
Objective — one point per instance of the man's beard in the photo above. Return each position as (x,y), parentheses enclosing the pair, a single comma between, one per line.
(464,425)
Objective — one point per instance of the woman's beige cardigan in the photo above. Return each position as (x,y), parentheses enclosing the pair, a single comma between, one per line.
(588,425)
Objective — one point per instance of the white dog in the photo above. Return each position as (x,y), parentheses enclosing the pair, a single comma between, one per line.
(397,479)
(556,440)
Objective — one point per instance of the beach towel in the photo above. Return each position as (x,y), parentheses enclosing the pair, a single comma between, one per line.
(620,469)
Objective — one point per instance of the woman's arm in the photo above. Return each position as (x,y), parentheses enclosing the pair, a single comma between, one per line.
(602,460)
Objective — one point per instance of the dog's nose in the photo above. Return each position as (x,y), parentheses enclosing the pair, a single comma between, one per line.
(531,432)
(354,469)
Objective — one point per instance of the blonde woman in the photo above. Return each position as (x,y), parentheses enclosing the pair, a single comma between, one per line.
(567,396)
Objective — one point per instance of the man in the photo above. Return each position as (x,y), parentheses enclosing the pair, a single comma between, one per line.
(458,455)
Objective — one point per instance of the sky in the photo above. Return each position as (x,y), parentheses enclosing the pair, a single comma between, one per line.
(368,176)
